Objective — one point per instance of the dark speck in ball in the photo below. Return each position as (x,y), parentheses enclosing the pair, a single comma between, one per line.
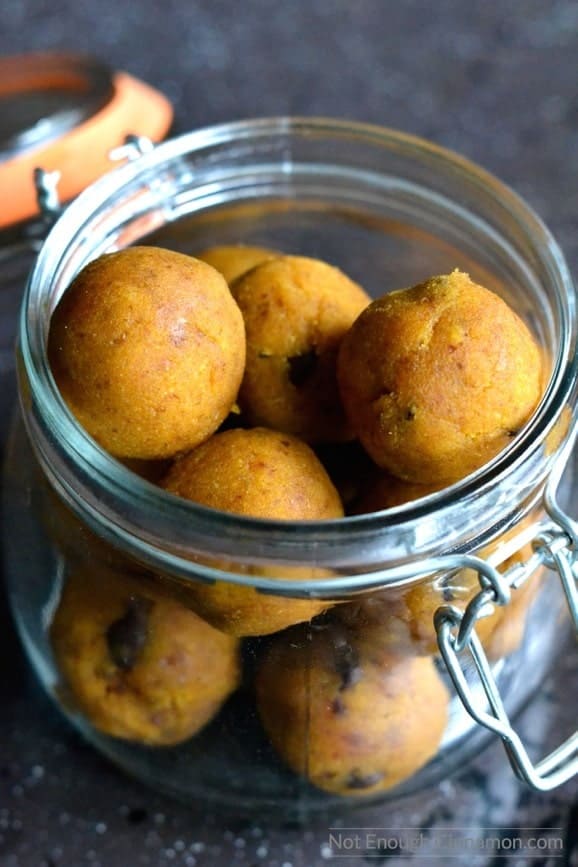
(363,781)
(337,706)
(347,664)
(127,636)
(302,368)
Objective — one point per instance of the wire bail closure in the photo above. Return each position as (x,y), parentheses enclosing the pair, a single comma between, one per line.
(133,147)
(556,547)
(46,183)
(47,196)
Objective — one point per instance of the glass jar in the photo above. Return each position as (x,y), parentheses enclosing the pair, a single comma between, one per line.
(107,572)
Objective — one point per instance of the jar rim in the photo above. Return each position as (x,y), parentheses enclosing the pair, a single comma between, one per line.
(91,458)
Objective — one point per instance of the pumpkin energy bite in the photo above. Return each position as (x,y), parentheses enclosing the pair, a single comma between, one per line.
(139,665)
(437,378)
(296,312)
(347,710)
(262,474)
(147,348)
(406,615)
(233,260)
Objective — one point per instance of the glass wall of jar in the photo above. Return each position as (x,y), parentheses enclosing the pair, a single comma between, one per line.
(285,663)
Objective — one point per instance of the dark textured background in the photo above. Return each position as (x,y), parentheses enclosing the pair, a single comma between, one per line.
(496,80)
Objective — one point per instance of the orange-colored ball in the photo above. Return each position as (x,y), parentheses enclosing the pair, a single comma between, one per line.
(437,378)
(147,347)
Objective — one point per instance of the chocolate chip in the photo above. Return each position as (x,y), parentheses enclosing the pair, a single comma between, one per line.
(337,706)
(448,594)
(347,664)
(302,367)
(127,636)
(356,780)
(410,412)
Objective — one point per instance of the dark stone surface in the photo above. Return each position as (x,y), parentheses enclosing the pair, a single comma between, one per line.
(494,80)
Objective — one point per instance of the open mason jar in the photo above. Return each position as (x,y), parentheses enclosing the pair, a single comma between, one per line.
(417,629)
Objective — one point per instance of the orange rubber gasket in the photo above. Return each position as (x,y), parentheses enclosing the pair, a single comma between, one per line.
(81,155)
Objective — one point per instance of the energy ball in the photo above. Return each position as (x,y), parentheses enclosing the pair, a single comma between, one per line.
(415,610)
(296,312)
(409,616)
(349,711)
(233,260)
(500,631)
(406,616)
(147,347)
(262,474)
(436,379)
(139,665)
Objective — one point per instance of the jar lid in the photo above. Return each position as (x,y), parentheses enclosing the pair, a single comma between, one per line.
(63,112)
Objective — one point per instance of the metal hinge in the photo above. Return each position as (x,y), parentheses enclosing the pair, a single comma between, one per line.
(556,547)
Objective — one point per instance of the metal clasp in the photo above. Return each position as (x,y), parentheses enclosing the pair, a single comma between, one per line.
(28,239)
(48,200)
(46,185)
(556,546)
(133,147)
